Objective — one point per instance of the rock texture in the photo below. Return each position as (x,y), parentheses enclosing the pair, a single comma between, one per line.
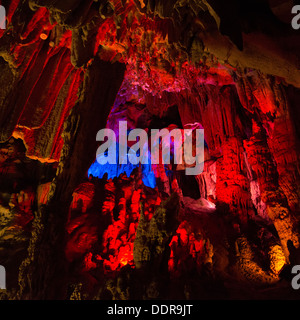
(70,68)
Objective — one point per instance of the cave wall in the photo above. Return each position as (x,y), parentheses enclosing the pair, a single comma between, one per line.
(69,69)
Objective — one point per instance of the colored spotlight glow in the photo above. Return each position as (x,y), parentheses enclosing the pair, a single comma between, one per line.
(115,170)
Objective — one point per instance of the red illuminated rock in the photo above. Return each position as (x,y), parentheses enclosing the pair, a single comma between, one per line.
(231,71)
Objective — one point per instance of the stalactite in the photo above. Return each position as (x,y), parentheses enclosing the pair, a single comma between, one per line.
(71,230)
(276,204)
(75,159)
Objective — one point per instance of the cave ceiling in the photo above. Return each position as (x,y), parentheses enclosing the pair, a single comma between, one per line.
(70,68)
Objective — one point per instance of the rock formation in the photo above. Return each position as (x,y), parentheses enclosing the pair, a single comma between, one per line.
(72,229)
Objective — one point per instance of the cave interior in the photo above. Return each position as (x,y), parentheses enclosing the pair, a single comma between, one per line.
(71,228)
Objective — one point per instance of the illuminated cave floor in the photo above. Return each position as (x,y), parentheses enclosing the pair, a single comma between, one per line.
(70,229)
(126,240)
